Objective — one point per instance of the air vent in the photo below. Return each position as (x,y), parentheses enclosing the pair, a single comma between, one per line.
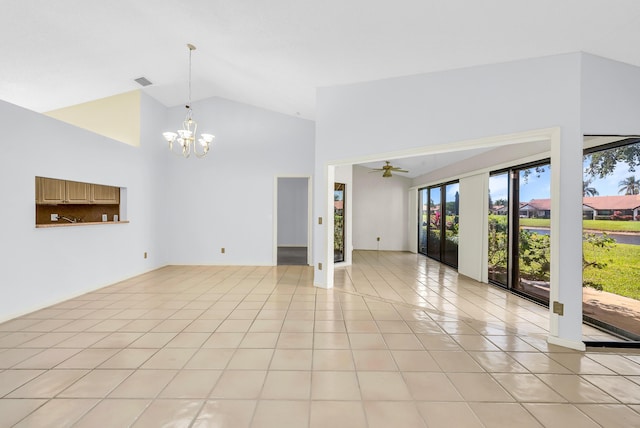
(143,81)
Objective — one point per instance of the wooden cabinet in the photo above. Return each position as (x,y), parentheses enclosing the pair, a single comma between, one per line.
(51,191)
(77,193)
(101,194)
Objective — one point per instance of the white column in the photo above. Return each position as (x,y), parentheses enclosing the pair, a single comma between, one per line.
(566,239)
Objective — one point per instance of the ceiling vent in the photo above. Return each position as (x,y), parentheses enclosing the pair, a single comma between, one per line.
(143,81)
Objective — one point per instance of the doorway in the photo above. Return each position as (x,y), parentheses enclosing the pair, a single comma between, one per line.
(292,224)
(439,210)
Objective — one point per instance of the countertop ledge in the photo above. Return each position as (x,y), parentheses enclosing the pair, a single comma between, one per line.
(89,223)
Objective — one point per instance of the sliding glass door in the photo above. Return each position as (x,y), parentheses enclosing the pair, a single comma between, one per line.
(434,227)
(519,255)
(423,220)
(531,228)
(450,224)
(611,237)
(438,219)
(499,228)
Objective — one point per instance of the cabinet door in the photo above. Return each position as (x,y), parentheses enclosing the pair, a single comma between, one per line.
(78,193)
(50,191)
(105,194)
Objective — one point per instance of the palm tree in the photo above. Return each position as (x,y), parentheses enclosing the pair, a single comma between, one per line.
(630,186)
(588,191)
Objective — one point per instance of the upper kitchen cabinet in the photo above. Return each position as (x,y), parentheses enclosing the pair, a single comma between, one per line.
(101,194)
(78,193)
(51,191)
(54,191)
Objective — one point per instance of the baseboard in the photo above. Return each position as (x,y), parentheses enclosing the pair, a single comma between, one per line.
(578,345)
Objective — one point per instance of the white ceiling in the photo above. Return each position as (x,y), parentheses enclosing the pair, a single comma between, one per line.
(419,165)
(274,54)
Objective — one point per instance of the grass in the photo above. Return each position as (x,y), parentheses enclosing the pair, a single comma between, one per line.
(622,273)
(535,222)
(605,225)
(612,226)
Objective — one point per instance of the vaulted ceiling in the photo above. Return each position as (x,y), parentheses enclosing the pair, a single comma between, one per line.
(274,54)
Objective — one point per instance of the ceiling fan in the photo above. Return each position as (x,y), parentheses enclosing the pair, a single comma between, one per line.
(388,168)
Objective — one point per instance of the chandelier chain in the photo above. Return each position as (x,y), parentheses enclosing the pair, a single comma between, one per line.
(190,51)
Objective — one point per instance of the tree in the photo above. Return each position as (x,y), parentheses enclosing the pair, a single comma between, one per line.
(630,186)
(604,162)
(588,191)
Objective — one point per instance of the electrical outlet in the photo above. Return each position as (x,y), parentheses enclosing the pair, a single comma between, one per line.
(222,250)
(145,254)
(319,220)
(378,239)
(54,217)
(319,266)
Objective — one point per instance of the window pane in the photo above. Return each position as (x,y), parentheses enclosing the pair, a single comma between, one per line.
(433,238)
(499,228)
(451,222)
(611,240)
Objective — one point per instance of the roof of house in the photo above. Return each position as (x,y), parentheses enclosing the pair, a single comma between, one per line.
(623,202)
(538,204)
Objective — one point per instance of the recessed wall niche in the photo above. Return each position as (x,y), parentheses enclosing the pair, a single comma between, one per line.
(72,203)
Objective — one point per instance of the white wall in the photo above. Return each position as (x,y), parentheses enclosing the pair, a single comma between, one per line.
(293,211)
(43,266)
(610,101)
(380,209)
(226,200)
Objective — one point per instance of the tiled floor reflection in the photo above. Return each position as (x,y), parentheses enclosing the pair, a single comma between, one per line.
(400,341)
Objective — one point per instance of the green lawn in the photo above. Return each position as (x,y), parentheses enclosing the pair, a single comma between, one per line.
(622,274)
(612,226)
(605,225)
(535,222)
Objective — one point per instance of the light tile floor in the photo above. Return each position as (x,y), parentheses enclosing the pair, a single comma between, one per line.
(400,341)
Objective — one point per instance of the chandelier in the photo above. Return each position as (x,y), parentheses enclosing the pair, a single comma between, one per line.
(186,137)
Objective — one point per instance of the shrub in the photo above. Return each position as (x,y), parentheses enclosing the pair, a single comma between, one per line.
(617,215)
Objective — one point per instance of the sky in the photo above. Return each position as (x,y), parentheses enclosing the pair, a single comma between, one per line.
(538,187)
